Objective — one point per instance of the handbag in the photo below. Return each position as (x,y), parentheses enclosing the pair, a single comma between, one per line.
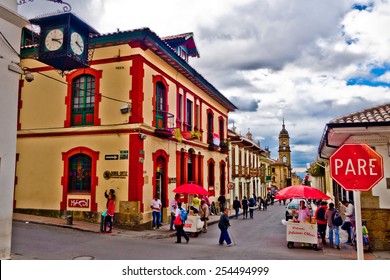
(104,213)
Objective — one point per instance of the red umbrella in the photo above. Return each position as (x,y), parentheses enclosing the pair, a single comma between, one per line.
(301,191)
(191,189)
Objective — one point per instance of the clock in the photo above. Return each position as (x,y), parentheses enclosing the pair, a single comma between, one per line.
(54,40)
(64,41)
(76,43)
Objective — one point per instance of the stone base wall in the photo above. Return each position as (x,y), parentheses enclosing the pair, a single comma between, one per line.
(377,222)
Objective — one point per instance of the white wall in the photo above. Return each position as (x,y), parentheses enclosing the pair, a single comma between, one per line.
(11,24)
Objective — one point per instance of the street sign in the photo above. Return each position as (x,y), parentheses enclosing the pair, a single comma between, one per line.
(356,167)
(111,157)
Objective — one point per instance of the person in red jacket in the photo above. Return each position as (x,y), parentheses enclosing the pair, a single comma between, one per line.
(321,220)
(110,211)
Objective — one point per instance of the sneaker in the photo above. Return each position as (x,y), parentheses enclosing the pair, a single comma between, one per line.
(337,247)
(230,244)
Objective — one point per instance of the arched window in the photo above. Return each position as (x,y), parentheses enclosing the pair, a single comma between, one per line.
(79,178)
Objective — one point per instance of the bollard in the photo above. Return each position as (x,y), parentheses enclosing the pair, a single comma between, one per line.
(69,220)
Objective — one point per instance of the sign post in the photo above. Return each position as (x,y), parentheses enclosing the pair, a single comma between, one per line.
(357,167)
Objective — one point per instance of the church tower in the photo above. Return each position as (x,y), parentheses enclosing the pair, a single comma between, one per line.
(284,146)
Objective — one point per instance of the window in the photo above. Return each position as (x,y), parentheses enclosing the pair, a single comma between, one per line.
(210,127)
(221,130)
(83,100)
(189,115)
(211,173)
(79,179)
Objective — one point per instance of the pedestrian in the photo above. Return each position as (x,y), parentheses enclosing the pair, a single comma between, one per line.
(303,212)
(329,214)
(206,198)
(179,224)
(204,214)
(109,219)
(195,204)
(223,225)
(156,205)
(321,220)
(104,213)
(349,218)
(173,208)
(252,206)
(265,203)
(222,201)
(236,206)
(245,205)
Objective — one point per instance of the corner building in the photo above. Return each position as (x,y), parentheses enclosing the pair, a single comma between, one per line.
(139,120)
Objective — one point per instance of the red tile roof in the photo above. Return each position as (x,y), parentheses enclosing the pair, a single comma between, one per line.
(380,113)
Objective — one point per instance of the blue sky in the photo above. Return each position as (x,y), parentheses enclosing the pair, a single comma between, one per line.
(306,61)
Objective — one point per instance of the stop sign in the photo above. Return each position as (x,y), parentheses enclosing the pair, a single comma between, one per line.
(356,167)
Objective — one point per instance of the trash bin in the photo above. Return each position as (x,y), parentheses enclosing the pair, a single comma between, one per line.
(69,220)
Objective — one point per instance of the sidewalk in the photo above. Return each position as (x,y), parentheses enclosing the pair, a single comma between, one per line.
(346,252)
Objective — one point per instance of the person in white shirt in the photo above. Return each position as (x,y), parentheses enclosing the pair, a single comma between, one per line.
(156,211)
(349,217)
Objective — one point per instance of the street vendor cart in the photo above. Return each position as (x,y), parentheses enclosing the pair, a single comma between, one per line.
(302,233)
(193,225)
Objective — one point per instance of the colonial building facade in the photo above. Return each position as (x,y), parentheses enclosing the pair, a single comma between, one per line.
(139,120)
(249,165)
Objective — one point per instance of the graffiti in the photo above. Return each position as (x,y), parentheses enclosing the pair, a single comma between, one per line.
(78,203)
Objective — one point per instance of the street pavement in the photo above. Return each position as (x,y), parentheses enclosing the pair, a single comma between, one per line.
(346,252)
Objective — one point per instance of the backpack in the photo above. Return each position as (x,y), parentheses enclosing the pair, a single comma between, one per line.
(183,215)
(336,219)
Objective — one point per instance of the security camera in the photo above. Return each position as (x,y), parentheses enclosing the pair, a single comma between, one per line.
(29,77)
(142,136)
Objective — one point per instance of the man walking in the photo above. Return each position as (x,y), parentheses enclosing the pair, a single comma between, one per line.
(223,225)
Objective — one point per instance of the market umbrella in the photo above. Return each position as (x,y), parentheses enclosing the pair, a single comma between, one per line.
(301,191)
(191,189)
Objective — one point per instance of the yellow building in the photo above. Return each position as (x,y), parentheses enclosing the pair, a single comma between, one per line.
(139,120)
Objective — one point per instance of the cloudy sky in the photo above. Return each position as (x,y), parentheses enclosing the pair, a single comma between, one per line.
(304,61)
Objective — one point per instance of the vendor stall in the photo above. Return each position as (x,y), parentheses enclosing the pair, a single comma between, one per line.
(193,225)
(301,232)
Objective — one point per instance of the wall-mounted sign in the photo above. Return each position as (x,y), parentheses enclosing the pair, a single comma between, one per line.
(111,157)
(78,202)
(124,154)
(114,175)
(171,180)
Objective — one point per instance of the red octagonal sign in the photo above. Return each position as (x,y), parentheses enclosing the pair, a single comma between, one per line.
(356,167)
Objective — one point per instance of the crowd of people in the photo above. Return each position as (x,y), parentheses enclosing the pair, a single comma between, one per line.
(328,217)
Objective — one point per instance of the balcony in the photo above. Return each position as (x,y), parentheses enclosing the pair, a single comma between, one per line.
(165,123)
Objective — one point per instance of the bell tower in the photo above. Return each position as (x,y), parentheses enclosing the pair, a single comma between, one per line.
(284,146)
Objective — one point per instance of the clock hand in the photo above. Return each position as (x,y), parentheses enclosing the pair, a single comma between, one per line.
(77,43)
(57,40)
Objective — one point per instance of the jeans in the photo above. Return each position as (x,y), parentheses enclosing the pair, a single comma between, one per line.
(224,237)
(180,232)
(237,210)
(245,213)
(251,213)
(334,229)
(156,219)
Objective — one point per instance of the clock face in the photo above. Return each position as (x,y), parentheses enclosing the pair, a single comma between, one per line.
(54,39)
(76,43)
